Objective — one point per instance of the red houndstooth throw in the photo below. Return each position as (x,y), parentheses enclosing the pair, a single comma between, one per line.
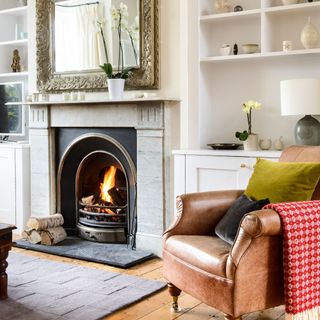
(301,257)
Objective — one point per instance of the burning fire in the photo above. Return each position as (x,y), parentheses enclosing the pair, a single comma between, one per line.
(109,181)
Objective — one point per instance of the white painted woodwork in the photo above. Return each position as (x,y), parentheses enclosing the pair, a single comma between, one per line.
(15,184)
(210,170)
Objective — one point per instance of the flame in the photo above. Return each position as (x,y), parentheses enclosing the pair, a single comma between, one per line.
(109,181)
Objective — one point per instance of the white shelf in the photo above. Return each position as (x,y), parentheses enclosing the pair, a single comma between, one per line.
(232,153)
(18,11)
(255,56)
(14,74)
(293,9)
(251,56)
(220,17)
(23,42)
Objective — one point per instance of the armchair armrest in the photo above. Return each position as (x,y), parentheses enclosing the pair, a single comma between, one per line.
(256,224)
(198,213)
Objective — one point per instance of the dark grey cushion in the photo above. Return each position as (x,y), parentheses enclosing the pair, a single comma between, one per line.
(228,226)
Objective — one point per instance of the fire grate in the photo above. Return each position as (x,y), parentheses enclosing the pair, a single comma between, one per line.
(102,215)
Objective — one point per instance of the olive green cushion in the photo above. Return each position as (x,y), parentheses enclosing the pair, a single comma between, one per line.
(283,181)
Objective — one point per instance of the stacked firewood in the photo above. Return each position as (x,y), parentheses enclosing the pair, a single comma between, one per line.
(45,230)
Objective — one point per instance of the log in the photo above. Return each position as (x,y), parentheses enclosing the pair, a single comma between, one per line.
(53,236)
(43,223)
(88,200)
(116,197)
(32,236)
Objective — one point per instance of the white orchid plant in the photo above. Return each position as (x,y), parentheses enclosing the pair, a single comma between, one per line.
(247,108)
(120,25)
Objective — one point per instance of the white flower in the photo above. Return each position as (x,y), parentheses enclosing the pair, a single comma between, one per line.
(251,104)
(117,14)
(123,10)
(124,24)
(133,30)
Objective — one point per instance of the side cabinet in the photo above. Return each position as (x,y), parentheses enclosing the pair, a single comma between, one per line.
(14,184)
(199,171)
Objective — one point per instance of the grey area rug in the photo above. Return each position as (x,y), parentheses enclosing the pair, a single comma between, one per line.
(40,289)
(118,255)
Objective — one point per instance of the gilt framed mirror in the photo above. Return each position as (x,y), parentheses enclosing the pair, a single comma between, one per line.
(74,37)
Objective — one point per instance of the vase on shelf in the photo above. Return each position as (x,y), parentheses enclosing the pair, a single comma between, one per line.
(251,144)
(309,35)
(221,6)
(116,88)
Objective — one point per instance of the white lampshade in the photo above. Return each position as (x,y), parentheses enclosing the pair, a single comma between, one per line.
(300,97)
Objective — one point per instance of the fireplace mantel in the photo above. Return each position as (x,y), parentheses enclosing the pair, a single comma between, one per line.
(98,101)
(155,121)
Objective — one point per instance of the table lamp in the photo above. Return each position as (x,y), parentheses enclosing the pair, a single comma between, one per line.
(302,97)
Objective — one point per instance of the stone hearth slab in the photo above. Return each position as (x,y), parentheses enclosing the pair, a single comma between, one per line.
(118,255)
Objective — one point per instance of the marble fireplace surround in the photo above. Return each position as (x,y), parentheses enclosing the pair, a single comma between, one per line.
(153,119)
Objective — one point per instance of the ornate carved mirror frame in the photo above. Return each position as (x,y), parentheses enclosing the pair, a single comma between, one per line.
(144,77)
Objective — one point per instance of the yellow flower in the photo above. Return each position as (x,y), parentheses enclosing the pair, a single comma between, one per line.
(251,104)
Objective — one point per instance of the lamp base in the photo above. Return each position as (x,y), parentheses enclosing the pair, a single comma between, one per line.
(307,131)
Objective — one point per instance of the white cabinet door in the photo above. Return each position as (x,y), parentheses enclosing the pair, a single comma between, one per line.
(207,173)
(7,186)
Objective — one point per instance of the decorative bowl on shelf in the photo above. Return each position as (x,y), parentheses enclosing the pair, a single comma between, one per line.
(224,146)
(225,50)
(250,48)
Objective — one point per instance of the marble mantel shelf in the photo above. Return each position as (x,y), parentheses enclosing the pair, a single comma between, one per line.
(100,101)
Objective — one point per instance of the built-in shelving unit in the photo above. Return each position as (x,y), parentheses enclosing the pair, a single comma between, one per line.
(254,13)
(23,74)
(265,25)
(226,81)
(13,35)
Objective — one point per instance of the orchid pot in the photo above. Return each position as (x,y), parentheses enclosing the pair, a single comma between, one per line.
(251,144)
(116,88)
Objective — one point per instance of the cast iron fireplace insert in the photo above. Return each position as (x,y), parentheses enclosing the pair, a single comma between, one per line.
(96,183)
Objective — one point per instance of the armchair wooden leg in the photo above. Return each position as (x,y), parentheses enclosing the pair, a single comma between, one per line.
(174,293)
(227,317)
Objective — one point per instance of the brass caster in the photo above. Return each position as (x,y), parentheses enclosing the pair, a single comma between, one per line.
(175,307)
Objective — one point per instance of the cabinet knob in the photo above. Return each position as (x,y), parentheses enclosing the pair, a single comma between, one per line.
(243,165)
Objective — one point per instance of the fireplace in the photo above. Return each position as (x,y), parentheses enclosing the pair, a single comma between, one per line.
(97,183)
(74,144)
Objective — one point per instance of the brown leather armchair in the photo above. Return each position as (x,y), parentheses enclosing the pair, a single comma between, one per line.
(237,279)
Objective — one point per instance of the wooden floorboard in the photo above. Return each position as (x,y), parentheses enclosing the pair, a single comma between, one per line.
(157,306)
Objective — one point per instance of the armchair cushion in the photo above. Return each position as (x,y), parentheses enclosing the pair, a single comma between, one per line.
(283,181)
(228,226)
(206,253)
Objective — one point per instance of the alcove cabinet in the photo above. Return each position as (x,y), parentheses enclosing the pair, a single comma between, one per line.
(15,184)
